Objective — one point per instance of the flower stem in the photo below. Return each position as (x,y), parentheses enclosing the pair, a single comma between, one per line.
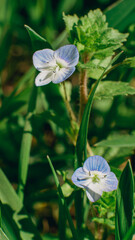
(83,92)
(71,113)
(79,211)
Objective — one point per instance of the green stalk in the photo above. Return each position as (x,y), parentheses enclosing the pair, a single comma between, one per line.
(79,211)
(0,215)
(62,221)
(63,202)
(26,144)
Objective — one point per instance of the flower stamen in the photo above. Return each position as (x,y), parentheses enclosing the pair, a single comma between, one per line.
(95,178)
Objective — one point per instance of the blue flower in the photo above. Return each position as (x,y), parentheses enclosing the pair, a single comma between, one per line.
(95,177)
(55,66)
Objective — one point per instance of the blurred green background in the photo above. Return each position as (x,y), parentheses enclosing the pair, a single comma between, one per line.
(49,129)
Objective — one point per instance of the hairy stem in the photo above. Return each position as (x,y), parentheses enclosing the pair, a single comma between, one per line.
(83,92)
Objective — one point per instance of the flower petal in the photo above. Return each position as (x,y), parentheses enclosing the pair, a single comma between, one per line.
(109,183)
(92,196)
(79,178)
(69,53)
(63,74)
(43,78)
(96,163)
(94,187)
(42,58)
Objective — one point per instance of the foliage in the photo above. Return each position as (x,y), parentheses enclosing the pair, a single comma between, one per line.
(92,34)
(36,122)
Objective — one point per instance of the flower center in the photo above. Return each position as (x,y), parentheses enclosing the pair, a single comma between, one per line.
(95,178)
(57,67)
(59,64)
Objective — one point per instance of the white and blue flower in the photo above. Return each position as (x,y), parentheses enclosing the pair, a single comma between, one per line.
(95,177)
(55,66)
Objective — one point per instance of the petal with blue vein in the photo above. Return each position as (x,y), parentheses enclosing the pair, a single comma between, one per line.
(63,74)
(80,178)
(96,163)
(42,58)
(69,53)
(109,183)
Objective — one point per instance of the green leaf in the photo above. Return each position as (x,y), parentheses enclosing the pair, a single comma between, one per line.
(92,32)
(130,62)
(3,236)
(67,189)
(48,237)
(70,21)
(106,209)
(124,203)
(130,233)
(16,224)
(7,13)
(26,144)
(118,141)
(104,221)
(109,89)
(38,42)
(82,136)
(12,104)
(120,12)
(95,67)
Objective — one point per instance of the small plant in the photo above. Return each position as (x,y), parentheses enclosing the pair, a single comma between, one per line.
(94,52)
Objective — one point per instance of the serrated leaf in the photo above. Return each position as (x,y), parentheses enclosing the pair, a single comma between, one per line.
(118,141)
(105,221)
(124,203)
(70,21)
(109,89)
(93,32)
(38,42)
(95,67)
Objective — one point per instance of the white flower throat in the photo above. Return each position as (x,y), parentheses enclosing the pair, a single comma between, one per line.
(57,67)
(94,176)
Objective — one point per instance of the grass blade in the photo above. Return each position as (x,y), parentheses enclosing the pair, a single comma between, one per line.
(38,42)
(15,222)
(130,233)
(3,236)
(114,16)
(26,144)
(124,203)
